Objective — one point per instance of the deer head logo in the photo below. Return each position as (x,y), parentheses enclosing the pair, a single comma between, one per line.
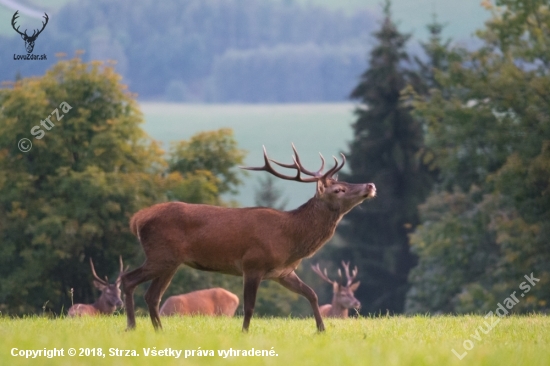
(29,40)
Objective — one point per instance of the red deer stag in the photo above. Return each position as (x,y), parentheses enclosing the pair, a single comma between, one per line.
(212,301)
(107,302)
(343,298)
(257,243)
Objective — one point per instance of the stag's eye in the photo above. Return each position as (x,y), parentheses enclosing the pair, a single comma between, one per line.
(338,190)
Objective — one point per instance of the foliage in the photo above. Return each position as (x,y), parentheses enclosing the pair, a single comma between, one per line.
(70,198)
(387,150)
(374,341)
(212,151)
(437,56)
(489,127)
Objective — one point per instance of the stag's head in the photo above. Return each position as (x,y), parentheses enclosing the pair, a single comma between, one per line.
(339,196)
(110,292)
(343,292)
(29,40)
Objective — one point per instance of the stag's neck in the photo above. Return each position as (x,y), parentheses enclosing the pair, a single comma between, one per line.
(312,225)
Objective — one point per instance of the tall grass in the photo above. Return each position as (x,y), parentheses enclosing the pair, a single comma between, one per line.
(364,341)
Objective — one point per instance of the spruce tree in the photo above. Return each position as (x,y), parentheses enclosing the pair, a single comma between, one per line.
(437,56)
(387,150)
(268,194)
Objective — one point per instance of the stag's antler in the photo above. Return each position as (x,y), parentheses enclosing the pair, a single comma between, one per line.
(96,277)
(322,274)
(315,176)
(346,269)
(121,271)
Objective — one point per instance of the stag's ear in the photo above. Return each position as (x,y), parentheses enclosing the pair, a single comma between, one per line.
(320,186)
(354,287)
(99,285)
(335,287)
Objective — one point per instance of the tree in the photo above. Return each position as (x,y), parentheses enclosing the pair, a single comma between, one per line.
(268,195)
(208,164)
(70,197)
(487,225)
(437,56)
(387,149)
(91,167)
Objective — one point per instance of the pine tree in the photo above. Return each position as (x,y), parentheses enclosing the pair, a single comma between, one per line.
(387,150)
(437,52)
(268,195)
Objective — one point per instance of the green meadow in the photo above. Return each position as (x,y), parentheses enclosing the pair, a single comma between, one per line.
(358,341)
(313,128)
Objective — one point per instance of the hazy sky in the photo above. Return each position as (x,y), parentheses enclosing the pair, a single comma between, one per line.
(462,16)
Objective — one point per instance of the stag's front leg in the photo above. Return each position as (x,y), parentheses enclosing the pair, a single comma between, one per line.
(251,284)
(295,284)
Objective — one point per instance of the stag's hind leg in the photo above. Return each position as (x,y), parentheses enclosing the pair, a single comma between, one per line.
(155,292)
(295,284)
(129,282)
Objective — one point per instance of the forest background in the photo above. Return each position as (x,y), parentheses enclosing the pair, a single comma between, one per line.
(454,133)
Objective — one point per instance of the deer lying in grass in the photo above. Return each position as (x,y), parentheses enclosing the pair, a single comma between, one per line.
(213,301)
(343,297)
(107,302)
(257,243)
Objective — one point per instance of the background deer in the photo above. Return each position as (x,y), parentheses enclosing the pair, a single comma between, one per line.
(343,297)
(257,243)
(107,302)
(213,301)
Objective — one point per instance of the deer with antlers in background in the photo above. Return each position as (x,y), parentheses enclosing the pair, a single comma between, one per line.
(107,302)
(343,295)
(257,243)
(212,301)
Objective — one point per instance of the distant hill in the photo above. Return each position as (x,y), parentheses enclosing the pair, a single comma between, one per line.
(462,17)
(248,51)
(214,51)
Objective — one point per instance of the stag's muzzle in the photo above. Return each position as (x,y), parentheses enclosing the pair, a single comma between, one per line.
(371,190)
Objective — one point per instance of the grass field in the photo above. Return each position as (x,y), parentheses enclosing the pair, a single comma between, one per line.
(364,341)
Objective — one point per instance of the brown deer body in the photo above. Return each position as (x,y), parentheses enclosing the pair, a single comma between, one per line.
(257,243)
(107,302)
(343,295)
(212,301)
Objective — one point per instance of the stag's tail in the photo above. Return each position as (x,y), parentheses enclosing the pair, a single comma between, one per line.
(134,224)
